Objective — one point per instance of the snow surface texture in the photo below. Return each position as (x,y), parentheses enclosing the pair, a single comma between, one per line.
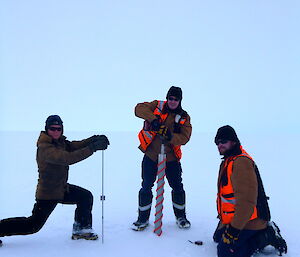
(274,154)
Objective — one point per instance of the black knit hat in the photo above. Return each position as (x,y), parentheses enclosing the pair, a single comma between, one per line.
(176,92)
(227,133)
(53,120)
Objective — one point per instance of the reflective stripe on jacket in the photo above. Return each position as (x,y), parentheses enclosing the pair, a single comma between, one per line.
(226,200)
(146,136)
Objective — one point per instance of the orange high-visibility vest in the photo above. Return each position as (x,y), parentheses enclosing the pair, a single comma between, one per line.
(226,201)
(146,136)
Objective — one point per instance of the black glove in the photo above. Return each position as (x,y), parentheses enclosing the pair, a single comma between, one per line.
(165,132)
(176,128)
(100,143)
(155,125)
(230,236)
(94,138)
(103,137)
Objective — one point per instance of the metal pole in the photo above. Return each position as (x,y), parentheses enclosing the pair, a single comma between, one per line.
(102,198)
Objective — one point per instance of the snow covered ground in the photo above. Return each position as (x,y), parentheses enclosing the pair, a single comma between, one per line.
(275,154)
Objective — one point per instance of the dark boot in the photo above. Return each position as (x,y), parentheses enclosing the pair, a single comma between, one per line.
(142,221)
(144,215)
(139,226)
(80,232)
(145,202)
(271,236)
(183,223)
(178,200)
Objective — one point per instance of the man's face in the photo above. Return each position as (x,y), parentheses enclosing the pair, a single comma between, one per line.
(173,102)
(224,145)
(55,131)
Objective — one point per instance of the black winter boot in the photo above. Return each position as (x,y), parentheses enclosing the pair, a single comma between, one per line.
(144,215)
(145,203)
(80,232)
(178,200)
(139,226)
(182,222)
(271,236)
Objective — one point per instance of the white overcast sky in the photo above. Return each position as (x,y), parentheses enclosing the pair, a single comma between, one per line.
(91,61)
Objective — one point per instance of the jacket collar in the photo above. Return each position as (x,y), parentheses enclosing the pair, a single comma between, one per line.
(45,138)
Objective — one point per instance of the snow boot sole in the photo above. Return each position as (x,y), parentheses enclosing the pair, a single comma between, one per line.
(139,228)
(85,236)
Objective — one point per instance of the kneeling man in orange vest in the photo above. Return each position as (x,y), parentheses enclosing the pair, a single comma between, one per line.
(243,210)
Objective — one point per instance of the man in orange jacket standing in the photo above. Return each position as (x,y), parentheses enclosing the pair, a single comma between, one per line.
(167,120)
(243,209)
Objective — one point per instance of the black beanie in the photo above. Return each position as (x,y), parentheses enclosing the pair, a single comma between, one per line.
(227,133)
(176,92)
(53,120)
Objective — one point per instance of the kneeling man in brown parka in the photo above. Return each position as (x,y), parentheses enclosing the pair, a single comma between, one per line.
(243,210)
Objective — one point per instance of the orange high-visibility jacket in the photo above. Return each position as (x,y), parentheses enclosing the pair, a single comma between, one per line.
(225,199)
(147,136)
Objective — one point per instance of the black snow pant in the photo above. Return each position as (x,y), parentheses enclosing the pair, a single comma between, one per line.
(43,208)
(174,177)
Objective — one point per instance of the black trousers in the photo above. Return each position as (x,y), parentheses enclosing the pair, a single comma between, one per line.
(43,208)
(174,177)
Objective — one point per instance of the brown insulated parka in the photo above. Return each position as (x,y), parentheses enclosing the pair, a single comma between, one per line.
(53,159)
